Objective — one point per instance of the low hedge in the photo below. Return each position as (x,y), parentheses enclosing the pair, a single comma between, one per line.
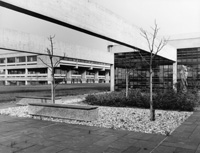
(169,100)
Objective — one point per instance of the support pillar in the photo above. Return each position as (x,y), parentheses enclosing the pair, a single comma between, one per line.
(7,83)
(69,77)
(49,76)
(96,77)
(107,76)
(26,76)
(175,76)
(112,77)
(83,76)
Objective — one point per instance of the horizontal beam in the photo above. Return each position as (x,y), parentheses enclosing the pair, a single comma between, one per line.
(83,16)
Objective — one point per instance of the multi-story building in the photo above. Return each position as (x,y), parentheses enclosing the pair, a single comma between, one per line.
(26,68)
(24,61)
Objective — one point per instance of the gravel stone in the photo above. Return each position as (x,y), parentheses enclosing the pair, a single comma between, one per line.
(131,119)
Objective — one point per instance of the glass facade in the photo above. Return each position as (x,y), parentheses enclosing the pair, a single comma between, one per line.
(139,71)
(189,57)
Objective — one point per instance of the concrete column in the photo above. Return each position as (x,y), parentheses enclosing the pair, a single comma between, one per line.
(96,77)
(83,76)
(175,76)
(49,76)
(112,77)
(107,76)
(6,76)
(26,76)
(69,77)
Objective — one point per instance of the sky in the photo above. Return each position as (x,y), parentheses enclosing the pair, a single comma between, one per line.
(173,17)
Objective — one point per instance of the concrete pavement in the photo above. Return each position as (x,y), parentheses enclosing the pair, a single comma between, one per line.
(26,135)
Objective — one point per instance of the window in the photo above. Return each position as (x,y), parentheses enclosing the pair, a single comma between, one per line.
(2,60)
(11,60)
(16,71)
(31,58)
(2,71)
(20,59)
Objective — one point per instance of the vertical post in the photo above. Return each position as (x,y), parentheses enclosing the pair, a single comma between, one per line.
(175,76)
(69,77)
(83,76)
(112,78)
(49,76)
(96,77)
(107,77)
(6,77)
(26,76)
(127,82)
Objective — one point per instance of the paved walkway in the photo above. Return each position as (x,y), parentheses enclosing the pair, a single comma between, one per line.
(25,135)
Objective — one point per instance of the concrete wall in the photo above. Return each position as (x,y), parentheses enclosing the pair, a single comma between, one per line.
(121,49)
(22,41)
(87,16)
(185,42)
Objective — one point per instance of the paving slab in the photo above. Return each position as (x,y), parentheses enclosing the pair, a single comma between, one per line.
(30,135)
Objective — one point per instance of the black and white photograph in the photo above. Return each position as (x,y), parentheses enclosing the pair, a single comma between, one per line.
(99,76)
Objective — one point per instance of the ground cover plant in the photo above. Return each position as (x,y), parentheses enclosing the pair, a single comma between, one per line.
(168,100)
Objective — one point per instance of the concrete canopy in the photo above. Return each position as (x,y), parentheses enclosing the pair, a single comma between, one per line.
(22,42)
(86,17)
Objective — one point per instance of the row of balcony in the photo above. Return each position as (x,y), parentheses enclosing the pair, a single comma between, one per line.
(43,77)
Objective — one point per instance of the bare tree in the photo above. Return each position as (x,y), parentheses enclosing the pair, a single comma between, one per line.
(154,47)
(130,65)
(51,66)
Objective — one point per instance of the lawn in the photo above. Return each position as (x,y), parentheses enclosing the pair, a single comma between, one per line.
(9,93)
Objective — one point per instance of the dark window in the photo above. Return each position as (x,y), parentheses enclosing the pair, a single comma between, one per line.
(2,60)
(16,71)
(20,59)
(11,60)
(32,58)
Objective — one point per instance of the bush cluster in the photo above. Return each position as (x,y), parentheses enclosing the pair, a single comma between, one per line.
(168,100)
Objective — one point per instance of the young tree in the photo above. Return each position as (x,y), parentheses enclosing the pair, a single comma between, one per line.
(53,63)
(130,65)
(154,47)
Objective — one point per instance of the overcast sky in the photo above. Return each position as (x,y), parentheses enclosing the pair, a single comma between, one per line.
(173,17)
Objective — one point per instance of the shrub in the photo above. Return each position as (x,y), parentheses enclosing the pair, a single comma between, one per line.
(168,100)
(171,100)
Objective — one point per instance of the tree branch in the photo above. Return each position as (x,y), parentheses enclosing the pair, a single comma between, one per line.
(144,34)
(44,62)
(143,58)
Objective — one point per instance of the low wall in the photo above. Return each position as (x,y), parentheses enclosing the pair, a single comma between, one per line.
(24,100)
(75,112)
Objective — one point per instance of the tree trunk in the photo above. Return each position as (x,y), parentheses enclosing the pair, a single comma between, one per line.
(127,83)
(53,88)
(152,111)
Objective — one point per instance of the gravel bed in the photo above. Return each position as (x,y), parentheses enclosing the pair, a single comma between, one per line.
(132,119)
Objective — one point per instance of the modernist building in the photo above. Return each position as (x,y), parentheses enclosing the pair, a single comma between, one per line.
(166,72)
(188,54)
(80,65)
(138,70)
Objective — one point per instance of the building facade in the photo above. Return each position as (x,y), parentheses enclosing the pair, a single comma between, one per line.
(25,69)
(166,72)
(131,64)
(29,69)
(188,54)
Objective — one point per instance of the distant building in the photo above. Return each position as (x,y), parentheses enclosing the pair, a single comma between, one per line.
(28,69)
(18,66)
